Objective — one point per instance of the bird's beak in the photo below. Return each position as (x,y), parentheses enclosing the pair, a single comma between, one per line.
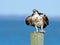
(33,11)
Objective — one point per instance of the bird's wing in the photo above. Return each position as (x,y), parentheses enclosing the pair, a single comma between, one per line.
(46,19)
(28,21)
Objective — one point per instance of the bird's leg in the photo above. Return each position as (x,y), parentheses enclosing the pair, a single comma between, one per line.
(42,30)
(42,27)
(36,28)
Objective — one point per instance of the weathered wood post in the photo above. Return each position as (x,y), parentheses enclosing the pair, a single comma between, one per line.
(37,38)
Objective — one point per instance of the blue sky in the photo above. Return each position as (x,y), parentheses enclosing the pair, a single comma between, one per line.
(49,7)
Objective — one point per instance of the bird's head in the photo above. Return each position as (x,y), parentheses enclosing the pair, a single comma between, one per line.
(35,11)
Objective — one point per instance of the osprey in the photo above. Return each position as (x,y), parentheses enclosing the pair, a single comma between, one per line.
(37,20)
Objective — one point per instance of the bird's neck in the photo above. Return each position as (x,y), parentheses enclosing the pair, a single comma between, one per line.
(36,14)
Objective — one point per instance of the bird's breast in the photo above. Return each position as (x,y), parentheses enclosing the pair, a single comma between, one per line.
(38,20)
(35,19)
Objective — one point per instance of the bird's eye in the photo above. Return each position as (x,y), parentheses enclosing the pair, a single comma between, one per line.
(34,11)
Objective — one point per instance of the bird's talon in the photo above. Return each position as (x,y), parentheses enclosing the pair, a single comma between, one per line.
(35,31)
(42,31)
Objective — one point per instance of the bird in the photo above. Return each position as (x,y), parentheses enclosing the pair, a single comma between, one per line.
(37,20)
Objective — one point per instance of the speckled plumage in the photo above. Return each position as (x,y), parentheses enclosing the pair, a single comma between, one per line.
(37,19)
